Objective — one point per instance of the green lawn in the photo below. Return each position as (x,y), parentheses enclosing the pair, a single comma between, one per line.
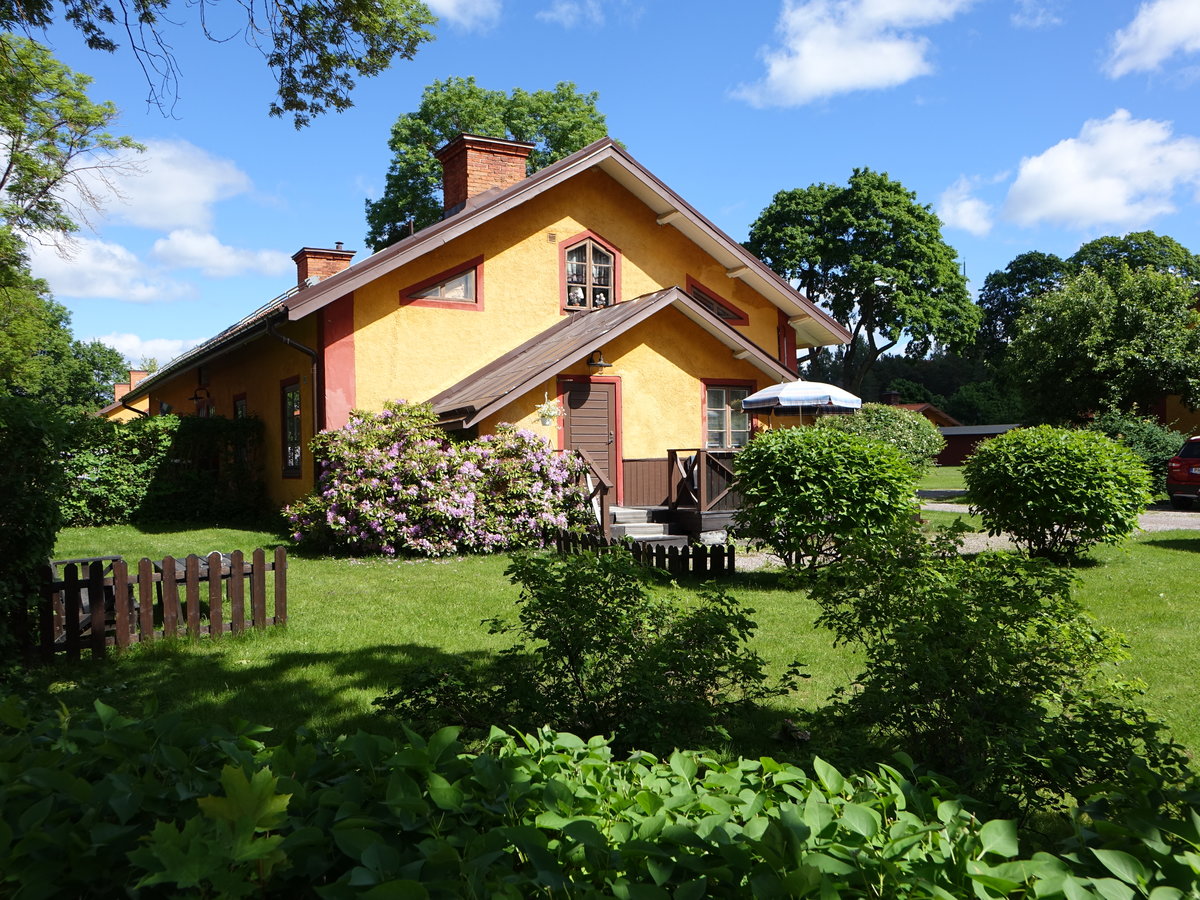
(354,622)
(943,478)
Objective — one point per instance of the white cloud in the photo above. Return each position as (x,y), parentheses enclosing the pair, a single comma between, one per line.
(102,269)
(1119,171)
(177,188)
(135,348)
(834,47)
(1036,14)
(958,207)
(188,249)
(569,13)
(469,14)
(1160,29)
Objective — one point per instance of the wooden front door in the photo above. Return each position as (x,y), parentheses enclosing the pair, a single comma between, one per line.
(590,423)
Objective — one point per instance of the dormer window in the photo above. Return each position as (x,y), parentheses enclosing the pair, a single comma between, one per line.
(457,288)
(716,304)
(590,276)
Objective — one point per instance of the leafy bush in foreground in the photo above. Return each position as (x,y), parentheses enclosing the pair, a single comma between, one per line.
(983,669)
(807,493)
(1057,491)
(596,653)
(393,482)
(145,807)
(908,431)
(32,484)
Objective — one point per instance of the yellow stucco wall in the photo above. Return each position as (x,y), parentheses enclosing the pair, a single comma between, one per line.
(257,370)
(1180,417)
(660,365)
(412,353)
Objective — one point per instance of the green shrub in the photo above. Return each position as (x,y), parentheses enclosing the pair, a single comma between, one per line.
(1153,443)
(165,469)
(983,669)
(809,492)
(909,432)
(96,804)
(32,484)
(596,653)
(1057,491)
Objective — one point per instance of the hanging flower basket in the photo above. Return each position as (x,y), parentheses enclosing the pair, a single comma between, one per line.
(548,410)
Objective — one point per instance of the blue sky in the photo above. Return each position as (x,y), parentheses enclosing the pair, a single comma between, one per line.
(1026,124)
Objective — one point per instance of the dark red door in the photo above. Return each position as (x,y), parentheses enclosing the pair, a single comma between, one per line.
(590,422)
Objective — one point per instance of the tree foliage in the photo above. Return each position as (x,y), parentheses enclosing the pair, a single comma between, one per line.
(314,48)
(1138,250)
(59,155)
(1115,341)
(917,439)
(876,258)
(1005,294)
(558,122)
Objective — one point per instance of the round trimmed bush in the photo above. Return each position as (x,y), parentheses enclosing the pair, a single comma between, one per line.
(807,493)
(1057,491)
(908,431)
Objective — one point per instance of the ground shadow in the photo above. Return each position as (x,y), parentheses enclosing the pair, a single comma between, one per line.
(1191,544)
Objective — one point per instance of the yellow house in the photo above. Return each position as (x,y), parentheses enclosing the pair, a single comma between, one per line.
(589,285)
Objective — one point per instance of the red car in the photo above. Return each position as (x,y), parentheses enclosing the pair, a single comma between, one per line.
(1183,474)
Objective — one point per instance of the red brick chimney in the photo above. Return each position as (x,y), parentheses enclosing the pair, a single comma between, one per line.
(472,164)
(120,390)
(313,263)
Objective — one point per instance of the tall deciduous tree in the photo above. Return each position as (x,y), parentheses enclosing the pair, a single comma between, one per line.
(1118,340)
(558,122)
(57,155)
(1005,294)
(1139,250)
(314,48)
(876,257)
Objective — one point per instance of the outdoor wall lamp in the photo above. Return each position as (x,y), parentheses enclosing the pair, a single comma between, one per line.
(596,361)
(201,401)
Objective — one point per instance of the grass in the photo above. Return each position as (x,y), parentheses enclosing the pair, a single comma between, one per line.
(943,478)
(354,623)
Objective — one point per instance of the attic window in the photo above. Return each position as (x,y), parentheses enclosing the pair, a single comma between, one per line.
(715,304)
(458,288)
(589,275)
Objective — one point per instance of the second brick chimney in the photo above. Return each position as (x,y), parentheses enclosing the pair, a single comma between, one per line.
(472,164)
(314,263)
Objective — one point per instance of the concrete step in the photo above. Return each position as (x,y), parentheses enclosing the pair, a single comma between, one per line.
(629,514)
(639,530)
(666,540)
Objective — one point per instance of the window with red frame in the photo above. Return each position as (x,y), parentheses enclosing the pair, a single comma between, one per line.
(726,424)
(590,276)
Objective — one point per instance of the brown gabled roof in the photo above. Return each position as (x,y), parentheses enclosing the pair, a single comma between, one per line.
(934,414)
(814,326)
(574,338)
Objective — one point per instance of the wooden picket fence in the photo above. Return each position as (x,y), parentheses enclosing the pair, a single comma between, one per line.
(699,559)
(154,601)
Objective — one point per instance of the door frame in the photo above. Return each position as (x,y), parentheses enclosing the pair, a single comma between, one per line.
(618,453)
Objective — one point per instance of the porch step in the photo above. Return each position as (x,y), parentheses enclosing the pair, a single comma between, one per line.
(639,530)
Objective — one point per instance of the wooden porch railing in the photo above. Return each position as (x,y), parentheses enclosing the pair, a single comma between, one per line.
(701,480)
(599,492)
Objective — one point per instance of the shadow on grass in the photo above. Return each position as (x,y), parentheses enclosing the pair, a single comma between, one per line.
(1191,545)
(220,684)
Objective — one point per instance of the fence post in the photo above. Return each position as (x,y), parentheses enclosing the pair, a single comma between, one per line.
(145,599)
(280,586)
(258,589)
(170,592)
(216,622)
(192,592)
(71,609)
(237,592)
(98,605)
(121,600)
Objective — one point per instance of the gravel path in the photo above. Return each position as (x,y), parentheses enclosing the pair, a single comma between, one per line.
(1160,517)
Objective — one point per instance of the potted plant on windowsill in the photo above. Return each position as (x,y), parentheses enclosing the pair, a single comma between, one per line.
(548,410)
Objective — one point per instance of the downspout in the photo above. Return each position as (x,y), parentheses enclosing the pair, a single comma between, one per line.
(316,379)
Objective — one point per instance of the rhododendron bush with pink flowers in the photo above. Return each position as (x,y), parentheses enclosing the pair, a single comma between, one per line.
(393,482)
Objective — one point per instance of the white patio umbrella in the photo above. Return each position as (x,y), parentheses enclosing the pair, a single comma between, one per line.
(795,394)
